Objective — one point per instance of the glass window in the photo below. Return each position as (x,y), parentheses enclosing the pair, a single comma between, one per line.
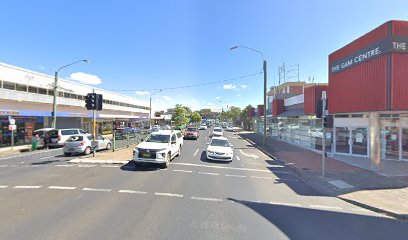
(82,131)
(390,138)
(74,96)
(9,85)
(67,95)
(75,139)
(32,89)
(60,94)
(219,143)
(69,132)
(42,91)
(51,92)
(21,87)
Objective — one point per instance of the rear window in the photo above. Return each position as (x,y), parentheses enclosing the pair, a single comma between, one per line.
(69,132)
(192,129)
(75,139)
(53,133)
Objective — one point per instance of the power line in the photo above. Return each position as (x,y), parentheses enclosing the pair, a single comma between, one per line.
(188,86)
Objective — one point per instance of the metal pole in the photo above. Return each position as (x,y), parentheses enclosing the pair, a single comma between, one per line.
(150,115)
(12,139)
(94,126)
(265,83)
(324,97)
(54,101)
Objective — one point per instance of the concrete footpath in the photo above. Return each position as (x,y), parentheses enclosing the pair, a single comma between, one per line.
(367,189)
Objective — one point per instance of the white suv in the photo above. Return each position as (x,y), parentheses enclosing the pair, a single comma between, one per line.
(159,147)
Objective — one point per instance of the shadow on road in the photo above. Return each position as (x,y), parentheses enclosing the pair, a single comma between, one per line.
(142,167)
(304,223)
(203,158)
(45,162)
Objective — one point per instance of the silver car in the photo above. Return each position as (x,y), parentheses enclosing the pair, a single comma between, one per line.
(82,144)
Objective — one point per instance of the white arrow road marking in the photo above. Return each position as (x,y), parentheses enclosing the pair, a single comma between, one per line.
(248,155)
(238,158)
(196,152)
(61,187)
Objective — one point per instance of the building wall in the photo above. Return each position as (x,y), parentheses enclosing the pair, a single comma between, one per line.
(399,81)
(260,110)
(278,106)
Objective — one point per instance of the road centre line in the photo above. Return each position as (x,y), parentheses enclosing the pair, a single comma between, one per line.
(110,166)
(286,204)
(97,189)
(62,187)
(4,186)
(232,175)
(360,209)
(85,165)
(326,207)
(196,152)
(208,173)
(186,171)
(168,194)
(132,191)
(207,199)
(221,167)
(263,177)
(64,165)
(27,187)
(47,157)
(3,165)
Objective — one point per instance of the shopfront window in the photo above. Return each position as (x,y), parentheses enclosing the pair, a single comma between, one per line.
(390,138)
(32,89)
(23,134)
(9,85)
(21,87)
(404,138)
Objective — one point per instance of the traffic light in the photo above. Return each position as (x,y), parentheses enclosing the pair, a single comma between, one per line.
(91,101)
(99,102)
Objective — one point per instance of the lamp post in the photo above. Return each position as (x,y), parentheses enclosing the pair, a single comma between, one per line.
(54,100)
(151,107)
(264,91)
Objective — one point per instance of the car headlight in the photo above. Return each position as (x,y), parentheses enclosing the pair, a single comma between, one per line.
(210,152)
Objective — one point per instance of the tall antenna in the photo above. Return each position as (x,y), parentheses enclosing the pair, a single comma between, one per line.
(289,73)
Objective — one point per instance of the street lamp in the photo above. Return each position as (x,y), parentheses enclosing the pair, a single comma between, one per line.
(265,83)
(54,100)
(151,107)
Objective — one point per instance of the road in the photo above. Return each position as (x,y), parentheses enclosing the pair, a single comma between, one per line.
(42,196)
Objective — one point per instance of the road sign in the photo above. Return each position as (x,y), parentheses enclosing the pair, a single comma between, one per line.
(12,127)
(12,121)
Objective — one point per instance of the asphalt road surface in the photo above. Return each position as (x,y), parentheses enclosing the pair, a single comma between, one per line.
(42,196)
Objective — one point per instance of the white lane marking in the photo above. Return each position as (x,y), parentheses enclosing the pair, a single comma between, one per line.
(3,165)
(209,173)
(47,157)
(64,165)
(186,171)
(132,191)
(222,167)
(196,152)
(165,169)
(61,187)
(85,165)
(111,166)
(360,209)
(286,204)
(248,155)
(168,194)
(326,207)
(232,175)
(29,154)
(238,158)
(28,187)
(207,199)
(4,186)
(97,189)
(262,177)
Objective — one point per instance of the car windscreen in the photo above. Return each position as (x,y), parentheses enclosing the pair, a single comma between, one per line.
(217,130)
(75,139)
(69,132)
(220,143)
(158,138)
(192,129)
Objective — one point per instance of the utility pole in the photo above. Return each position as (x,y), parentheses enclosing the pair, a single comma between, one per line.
(265,118)
(94,127)
(324,116)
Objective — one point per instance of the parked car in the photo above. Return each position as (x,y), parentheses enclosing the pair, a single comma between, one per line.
(82,144)
(159,148)
(191,133)
(217,132)
(42,133)
(220,149)
(59,136)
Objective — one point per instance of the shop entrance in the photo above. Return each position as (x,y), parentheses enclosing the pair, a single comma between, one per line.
(352,140)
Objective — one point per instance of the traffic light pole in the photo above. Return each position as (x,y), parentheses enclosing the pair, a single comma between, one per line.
(324,98)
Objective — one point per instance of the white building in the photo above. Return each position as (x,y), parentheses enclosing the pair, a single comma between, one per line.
(27,97)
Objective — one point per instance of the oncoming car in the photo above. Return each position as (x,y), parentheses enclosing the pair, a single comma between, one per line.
(220,149)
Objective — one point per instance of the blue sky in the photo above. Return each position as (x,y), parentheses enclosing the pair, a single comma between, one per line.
(144,45)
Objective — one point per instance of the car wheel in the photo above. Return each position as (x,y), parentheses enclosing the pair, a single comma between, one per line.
(87,151)
(167,163)
(179,152)
(108,146)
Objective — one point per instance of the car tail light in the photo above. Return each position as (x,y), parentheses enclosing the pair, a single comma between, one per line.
(59,137)
(82,143)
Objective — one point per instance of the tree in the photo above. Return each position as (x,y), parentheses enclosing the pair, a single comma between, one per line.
(180,116)
(234,114)
(195,117)
(246,118)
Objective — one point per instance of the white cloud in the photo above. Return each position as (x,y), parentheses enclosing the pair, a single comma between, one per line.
(217,98)
(243,86)
(85,78)
(209,104)
(167,98)
(229,86)
(142,93)
(238,95)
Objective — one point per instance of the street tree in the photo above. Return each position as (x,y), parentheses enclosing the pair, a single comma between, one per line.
(195,117)
(246,118)
(180,116)
(234,114)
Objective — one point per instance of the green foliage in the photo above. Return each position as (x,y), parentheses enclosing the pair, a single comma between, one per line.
(246,119)
(195,117)
(180,116)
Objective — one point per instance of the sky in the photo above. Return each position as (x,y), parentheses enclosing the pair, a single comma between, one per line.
(142,46)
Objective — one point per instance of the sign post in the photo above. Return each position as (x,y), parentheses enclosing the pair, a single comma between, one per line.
(12,128)
(324,116)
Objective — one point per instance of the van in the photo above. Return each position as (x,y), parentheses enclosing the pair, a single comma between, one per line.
(59,136)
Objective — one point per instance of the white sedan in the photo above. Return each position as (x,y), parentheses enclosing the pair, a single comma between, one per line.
(220,149)
(217,132)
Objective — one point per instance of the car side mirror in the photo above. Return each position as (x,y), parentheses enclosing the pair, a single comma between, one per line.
(173,142)
(231,145)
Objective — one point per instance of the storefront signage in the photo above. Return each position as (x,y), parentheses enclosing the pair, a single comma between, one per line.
(394,44)
(9,112)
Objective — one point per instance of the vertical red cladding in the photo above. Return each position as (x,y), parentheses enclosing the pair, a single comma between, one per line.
(296,90)
(362,87)
(399,71)
(260,110)
(313,97)
(278,106)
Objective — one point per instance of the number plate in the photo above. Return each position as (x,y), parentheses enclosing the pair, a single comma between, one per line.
(146,155)
(71,149)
